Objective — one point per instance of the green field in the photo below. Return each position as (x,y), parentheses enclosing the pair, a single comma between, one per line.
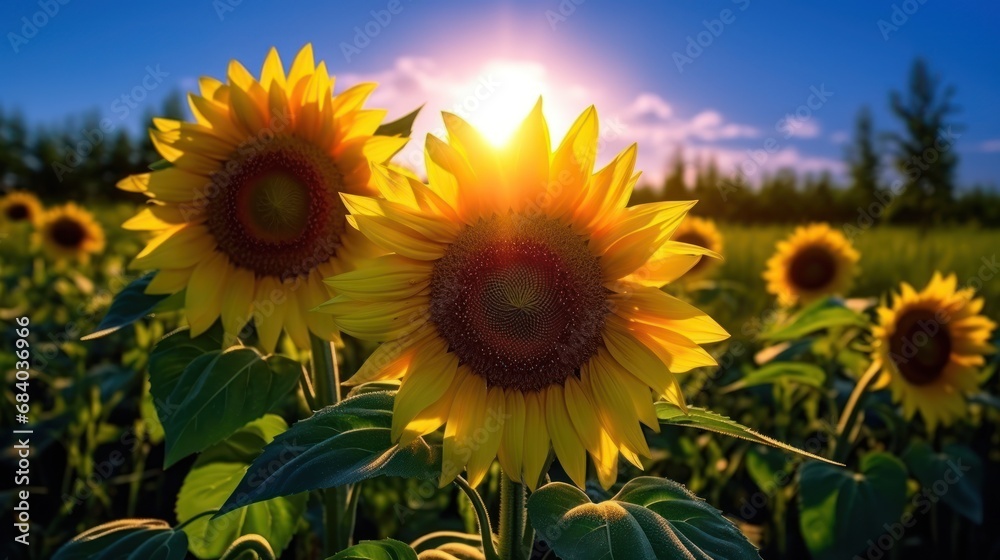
(888,254)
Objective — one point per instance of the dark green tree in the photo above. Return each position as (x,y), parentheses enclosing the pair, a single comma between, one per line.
(925,153)
(674,187)
(863,160)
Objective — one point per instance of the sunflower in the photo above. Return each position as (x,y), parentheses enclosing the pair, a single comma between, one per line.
(929,345)
(69,232)
(703,233)
(20,207)
(520,305)
(815,261)
(248,217)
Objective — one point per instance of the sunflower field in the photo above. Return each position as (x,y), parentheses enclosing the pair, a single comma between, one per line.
(278,340)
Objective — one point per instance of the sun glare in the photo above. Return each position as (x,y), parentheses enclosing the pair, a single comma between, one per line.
(503,93)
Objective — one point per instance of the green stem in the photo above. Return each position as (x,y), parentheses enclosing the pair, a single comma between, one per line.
(249,546)
(849,415)
(326,381)
(326,373)
(450,536)
(485,529)
(195,518)
(512,518)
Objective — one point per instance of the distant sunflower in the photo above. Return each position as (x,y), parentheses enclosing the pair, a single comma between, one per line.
(248,217)
(701,232)
(929,345)
(521,307)
(70,232)
(20,207)
(815,261)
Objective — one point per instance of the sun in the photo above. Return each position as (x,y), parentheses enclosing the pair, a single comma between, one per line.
(503,91)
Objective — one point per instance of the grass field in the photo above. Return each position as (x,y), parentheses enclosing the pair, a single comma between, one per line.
(887,255)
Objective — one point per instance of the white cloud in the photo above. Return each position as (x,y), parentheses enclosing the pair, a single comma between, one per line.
(798,128)
(990,146)
(649,107)
(839,137)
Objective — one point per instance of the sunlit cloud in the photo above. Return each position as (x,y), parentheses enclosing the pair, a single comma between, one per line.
(990,146)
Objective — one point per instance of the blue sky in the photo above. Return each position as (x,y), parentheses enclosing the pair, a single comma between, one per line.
(758,63)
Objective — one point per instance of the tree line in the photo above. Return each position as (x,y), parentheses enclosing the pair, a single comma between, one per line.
(904,177)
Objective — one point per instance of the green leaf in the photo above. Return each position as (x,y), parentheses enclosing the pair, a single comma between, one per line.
(129,539)
(955,475)
(127,307)
(776,372)
(650,518)
(842,510)
(402,126)
(160,164)
(387,549)
(341,444)
(671,414)
(215,393)
(213,478)
(823,314)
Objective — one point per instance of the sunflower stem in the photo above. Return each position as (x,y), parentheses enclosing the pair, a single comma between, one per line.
(485,529)
(326,381)
(850,413)
(512,518)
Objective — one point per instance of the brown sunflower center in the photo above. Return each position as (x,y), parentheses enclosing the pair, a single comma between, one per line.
(520,301)
(812,268)
(920,346)
(67,232)
(17,212)
(276,208)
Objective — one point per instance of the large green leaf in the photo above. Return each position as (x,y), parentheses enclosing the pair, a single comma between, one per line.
(126,539)
(213,478)
(128,306)
(402,126)
(387,549)
(843,510)
(650,518)
(341,444)
(202,396)
(823,314)
(955,475)
(671,414)
(776,372)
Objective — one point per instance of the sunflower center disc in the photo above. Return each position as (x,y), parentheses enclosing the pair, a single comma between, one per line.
(17,212)
(812,268)
(520,301)
(920,346)
(68,233)
(276,208)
